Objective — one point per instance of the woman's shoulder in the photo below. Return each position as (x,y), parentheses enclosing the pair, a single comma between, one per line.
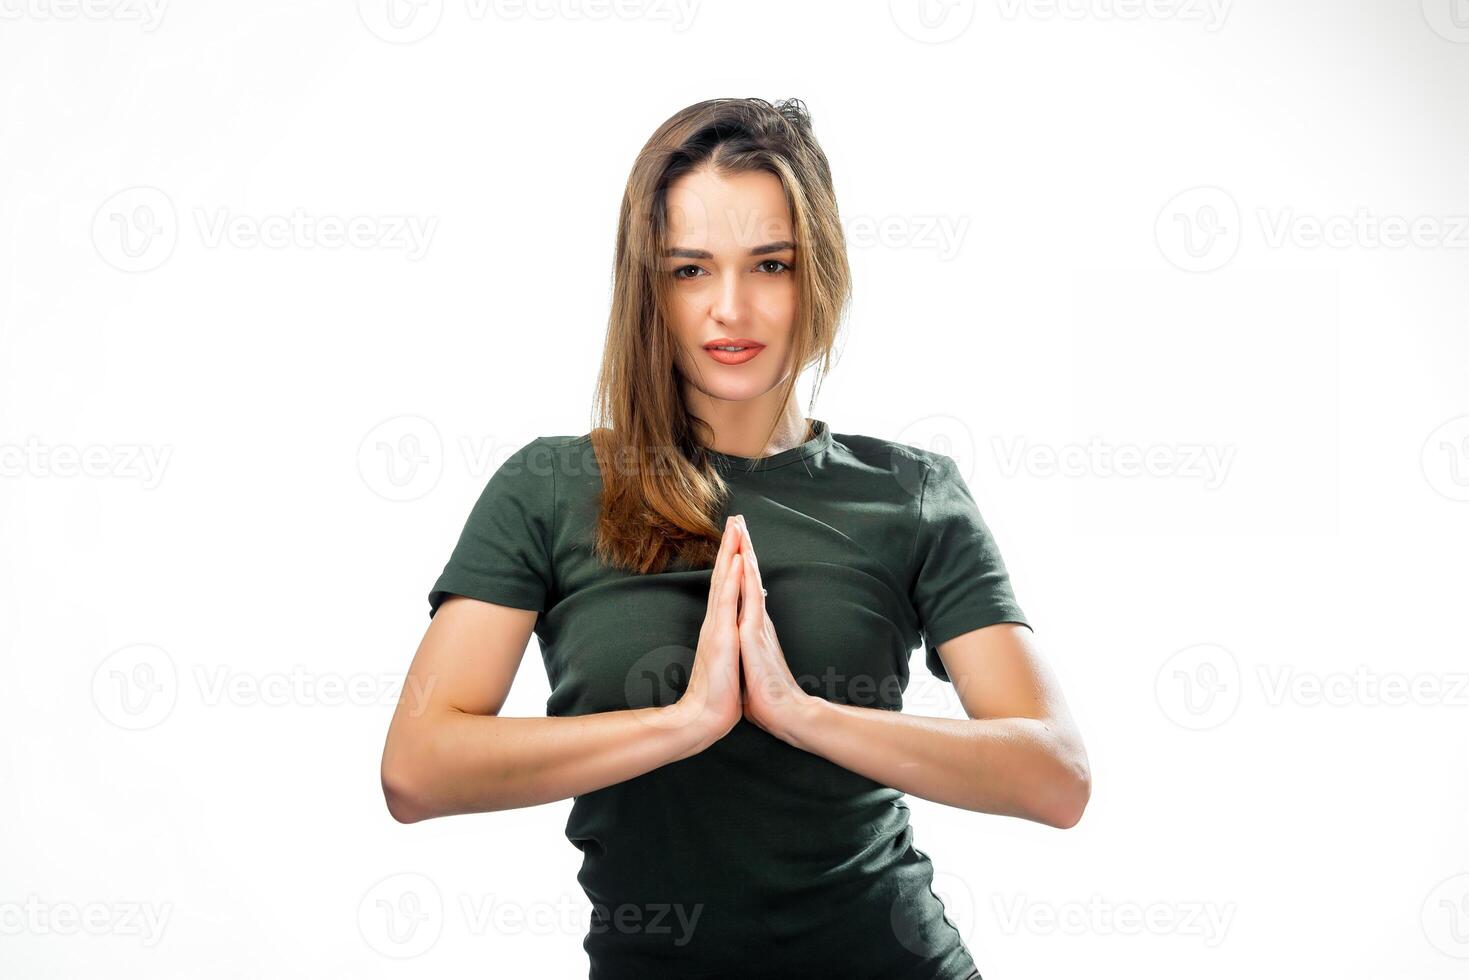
(561,442)
(876,450)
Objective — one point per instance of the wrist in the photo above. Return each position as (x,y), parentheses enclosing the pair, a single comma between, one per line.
(800,718)
(695,734)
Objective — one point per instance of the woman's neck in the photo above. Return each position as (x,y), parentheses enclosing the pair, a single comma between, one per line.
(740,428)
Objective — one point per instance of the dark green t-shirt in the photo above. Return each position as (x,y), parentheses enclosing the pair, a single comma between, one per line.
(753,857)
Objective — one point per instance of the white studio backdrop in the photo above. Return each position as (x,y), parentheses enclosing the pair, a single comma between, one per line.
(1180,283)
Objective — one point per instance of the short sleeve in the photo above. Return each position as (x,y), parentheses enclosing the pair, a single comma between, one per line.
(959,581)
(503,554)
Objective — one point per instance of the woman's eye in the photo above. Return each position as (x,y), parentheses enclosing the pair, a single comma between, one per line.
(694,271)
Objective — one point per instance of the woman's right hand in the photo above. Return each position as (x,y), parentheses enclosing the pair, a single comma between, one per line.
(712,700)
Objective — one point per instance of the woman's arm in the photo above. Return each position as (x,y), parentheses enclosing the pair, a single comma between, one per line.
(448,752)
(1018,753)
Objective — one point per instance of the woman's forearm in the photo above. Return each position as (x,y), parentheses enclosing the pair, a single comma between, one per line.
(1012,766)
(454,762)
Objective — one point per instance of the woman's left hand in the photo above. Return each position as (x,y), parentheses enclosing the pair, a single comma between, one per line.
(772,696)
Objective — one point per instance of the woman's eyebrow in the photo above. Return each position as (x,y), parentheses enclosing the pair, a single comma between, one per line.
(699,253)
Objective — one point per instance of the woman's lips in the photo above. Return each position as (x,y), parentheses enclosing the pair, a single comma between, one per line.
(751,348)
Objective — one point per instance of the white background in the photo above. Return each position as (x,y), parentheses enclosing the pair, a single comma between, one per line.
(1227,240)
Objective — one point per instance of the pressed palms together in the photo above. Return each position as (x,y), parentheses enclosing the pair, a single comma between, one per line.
(738,646)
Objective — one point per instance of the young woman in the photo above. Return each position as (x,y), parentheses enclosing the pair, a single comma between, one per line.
(726,594)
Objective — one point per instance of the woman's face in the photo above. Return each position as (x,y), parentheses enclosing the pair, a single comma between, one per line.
(731,266)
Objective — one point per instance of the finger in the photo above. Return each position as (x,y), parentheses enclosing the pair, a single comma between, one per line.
(728,543)
(754,601)
(729,594)
(747,545)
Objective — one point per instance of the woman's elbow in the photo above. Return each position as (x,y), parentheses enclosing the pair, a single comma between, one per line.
(1071,801)
(1069,788)
(402,804)
(401,792)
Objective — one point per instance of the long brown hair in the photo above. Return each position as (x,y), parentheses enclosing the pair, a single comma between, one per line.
(661,493)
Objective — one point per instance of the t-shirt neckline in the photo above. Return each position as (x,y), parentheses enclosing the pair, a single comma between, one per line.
(819,442)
